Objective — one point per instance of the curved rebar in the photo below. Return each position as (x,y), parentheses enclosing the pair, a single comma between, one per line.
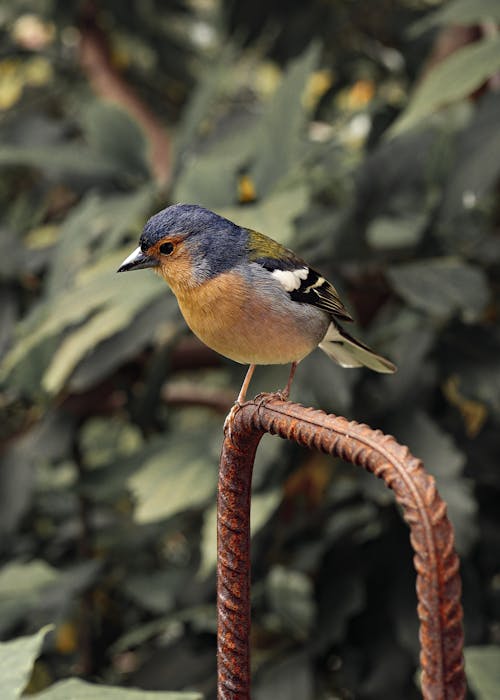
(431,536)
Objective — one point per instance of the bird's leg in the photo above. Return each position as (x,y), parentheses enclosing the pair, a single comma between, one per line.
(244,387)
(283,394)
(241,399)
(286,391)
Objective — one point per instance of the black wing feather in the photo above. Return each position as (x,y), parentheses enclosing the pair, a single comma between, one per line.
(314,289)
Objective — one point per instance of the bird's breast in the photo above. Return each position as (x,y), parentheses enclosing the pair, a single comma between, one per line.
(249,322)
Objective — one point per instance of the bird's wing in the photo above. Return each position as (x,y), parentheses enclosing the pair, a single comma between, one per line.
(301,282)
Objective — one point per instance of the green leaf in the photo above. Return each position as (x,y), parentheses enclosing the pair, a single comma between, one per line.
(64,158)
(113,133)
(482,665)
(47,440)
(35,586)
(453,79)
(197,182)
(152,591)
(99,304)
(396,232)
(282,124)
(262,507)
(200,617)
(75,689)
(206,93)
(291,598)
(481,380)
(273,216)
(442,459)
(16,662)
(161,323)
(461,12)
(322,382)
(350,519)
(8,314)
(103,440)
(180,475)
(95,226)
(442,287)
(407,337)
(18,580)
(291,677)
(271,144)
(79,344)
(474,172)
(341,599)
(474,356)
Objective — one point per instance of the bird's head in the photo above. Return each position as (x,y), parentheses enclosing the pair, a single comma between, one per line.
(187,245)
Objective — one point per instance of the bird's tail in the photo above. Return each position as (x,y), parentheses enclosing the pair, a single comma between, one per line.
(349,352)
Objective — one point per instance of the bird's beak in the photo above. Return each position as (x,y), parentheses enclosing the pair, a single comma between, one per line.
(137,261)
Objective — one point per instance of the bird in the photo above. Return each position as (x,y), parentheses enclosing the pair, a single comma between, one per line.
(245,295)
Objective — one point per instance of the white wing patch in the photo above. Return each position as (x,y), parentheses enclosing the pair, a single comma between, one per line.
(291,279)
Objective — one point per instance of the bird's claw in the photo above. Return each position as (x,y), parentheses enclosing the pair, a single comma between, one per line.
(270,395)
(229,420)
(260,399)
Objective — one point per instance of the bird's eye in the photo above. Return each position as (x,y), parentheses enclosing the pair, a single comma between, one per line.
(166,248)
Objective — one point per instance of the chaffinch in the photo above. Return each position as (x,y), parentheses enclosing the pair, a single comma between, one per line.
(245,295)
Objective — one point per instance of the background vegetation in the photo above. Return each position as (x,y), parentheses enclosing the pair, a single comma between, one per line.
(366,135)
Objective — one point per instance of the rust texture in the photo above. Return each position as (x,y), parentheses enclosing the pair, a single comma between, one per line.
(431,534)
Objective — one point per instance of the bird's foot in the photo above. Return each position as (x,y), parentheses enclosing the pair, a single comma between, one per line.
(281,395)
(229,420)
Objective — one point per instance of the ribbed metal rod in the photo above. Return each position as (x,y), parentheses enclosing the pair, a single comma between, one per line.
(431,535)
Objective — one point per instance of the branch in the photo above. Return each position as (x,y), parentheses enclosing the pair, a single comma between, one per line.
(431,536)
(183,394)
(108,83)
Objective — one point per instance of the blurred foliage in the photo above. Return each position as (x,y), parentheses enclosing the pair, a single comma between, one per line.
(364,135)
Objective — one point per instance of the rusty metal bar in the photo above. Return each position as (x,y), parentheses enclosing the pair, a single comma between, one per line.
(431,536)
